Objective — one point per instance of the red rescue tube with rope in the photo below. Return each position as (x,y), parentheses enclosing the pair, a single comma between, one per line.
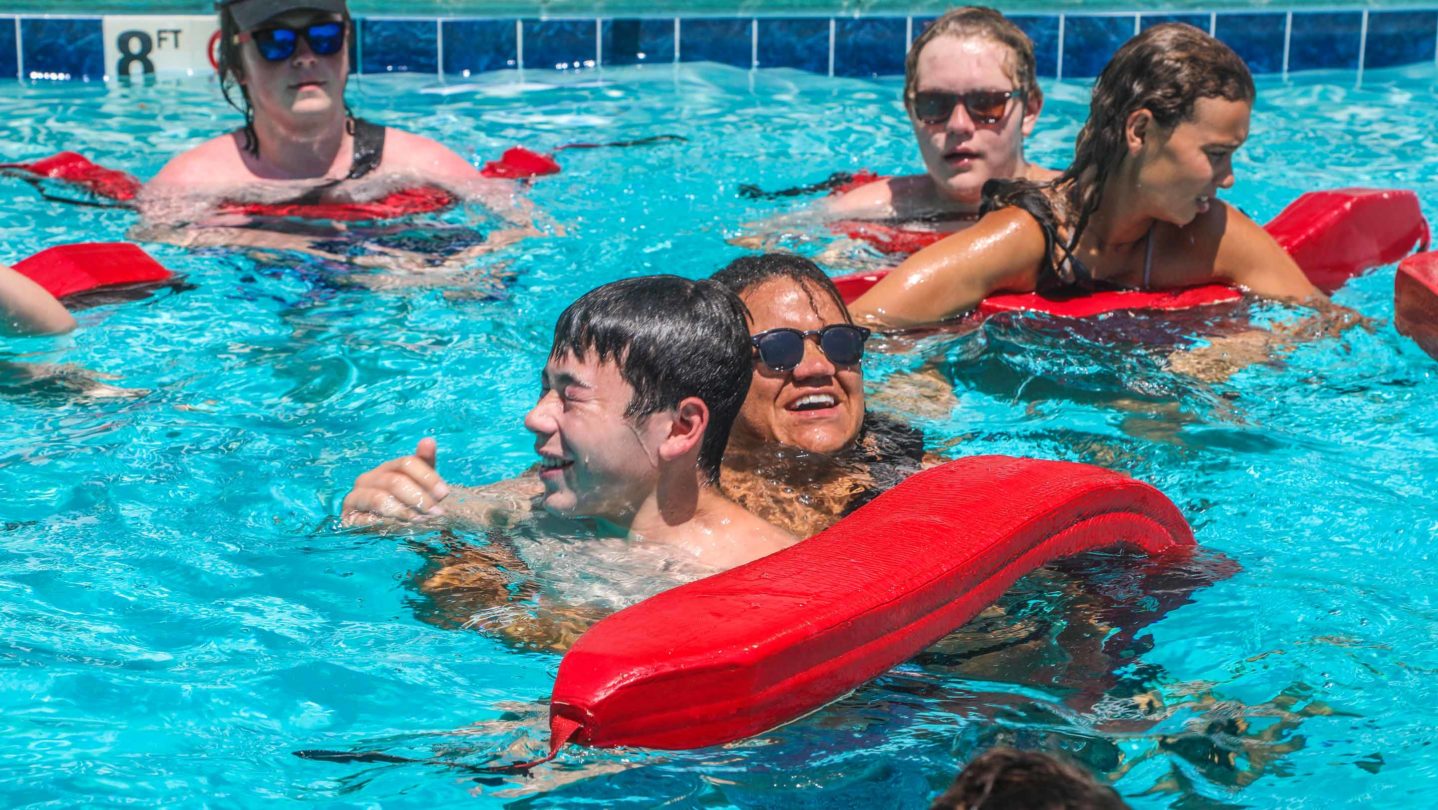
(112,184)
(69,269)
(1332,235)
(741,652)
(1415,300)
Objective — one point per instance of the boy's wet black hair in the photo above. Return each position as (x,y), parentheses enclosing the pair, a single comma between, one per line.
(671,338)
(748,272)
(1008,779)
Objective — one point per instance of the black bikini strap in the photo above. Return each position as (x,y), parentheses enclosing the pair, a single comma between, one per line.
(369,148)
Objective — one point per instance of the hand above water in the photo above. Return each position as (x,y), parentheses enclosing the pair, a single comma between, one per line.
(401,490)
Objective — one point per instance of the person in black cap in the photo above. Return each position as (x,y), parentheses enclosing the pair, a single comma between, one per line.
(284,64)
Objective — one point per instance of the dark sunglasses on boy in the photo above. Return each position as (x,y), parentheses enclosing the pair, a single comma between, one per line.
(983,106)
(278,43)
(783,349)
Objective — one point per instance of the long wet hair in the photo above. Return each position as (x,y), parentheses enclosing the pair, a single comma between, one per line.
(1164,70)
(230,70)
(976,22)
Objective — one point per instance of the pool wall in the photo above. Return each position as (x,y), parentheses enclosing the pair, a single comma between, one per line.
(1068,45)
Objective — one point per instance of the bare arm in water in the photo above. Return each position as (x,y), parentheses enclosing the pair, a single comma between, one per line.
(27,309)
(484,587)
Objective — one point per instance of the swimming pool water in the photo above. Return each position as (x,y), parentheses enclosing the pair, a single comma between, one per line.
(179,612)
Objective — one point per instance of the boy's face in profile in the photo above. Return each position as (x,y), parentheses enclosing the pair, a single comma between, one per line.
(594,460)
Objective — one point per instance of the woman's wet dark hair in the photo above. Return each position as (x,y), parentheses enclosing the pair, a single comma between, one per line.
(747,272)
(1006,778)
(671,338)
(1164,70)
(228,65)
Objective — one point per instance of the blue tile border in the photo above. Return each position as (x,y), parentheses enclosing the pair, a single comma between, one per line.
(1072,46)
(728,41)
(637,42)
(801,43)
(398,46)
(62,48)
(1398,38)
(9,54)
(1043,31)
(475,46)
(1325,40)
(561,44)
(1089,42)
(1258,38)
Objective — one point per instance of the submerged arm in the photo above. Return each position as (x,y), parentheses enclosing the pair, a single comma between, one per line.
(1001,252)
(490,589)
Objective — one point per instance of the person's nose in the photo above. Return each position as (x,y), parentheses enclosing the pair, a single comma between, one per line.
(1225,174)
(815,364)
(960,122)
(540,420)
(303,55)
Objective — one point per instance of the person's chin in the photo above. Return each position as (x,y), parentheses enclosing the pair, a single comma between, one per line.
(826,436)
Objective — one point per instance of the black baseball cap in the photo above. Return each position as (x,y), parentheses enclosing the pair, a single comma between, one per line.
(249,14)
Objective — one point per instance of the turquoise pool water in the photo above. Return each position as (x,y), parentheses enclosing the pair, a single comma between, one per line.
(179,612)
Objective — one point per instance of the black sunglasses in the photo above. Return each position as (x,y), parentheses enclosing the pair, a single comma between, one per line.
(278,43)
(984,106)
(783,349)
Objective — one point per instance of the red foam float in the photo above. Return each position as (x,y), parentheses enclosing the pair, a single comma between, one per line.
(1415,300)
(1332,235)
(79,171)
(406,202)
(69,269)
(741,652)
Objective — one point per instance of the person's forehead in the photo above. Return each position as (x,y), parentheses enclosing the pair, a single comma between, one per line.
(1218,120)
(965,63)
(787,302)
(587,370)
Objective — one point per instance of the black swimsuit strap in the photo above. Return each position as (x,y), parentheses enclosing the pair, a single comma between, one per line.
(369,148)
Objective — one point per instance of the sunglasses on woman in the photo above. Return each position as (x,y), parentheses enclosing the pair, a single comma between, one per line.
(983,106)
(278,43)
(783,349)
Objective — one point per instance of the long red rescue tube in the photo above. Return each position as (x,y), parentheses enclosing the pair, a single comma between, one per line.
(741,652)
(79,171)
(1415,300)
(69,269)
(1332,235)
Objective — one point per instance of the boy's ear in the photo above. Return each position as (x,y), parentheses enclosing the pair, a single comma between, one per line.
(688,421)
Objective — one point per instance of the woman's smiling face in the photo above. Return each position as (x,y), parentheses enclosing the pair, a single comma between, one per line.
(818,405)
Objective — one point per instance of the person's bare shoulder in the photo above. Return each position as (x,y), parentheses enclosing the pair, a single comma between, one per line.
(215,162)
(1040,174)
(408,153)
(881,198)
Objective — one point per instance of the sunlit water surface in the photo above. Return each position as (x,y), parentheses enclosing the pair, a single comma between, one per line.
(179,611)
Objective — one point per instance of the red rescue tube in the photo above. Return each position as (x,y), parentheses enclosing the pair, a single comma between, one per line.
(1415,300)
(69,269)
(403,203)
(741,652)
(1332,235)
(80,171)
(1335,235)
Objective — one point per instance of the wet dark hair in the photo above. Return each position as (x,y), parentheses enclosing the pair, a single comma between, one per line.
(1006,779)
(1164,70)
(228,65)
(671,338)
(979,22)
(747,272)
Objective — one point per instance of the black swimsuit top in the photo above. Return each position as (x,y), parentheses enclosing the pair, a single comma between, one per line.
(368,152)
